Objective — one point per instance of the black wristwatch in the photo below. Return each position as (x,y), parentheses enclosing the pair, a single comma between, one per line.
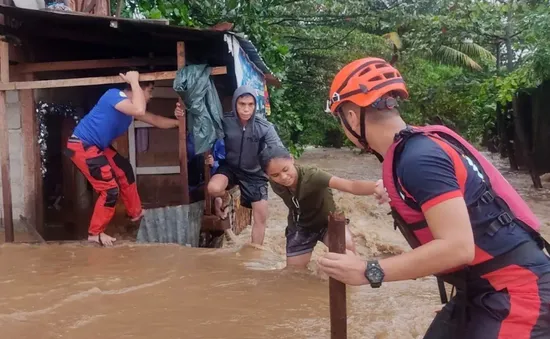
(374,273)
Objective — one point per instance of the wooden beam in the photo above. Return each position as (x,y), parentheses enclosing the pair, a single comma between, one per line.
(207,197)
(214,223)
(31,165)
(162,92)
(76,82)
(182,132)
(5,146)
(94,81)
(337,289)
(158,170)
(272,80)
(91,81)
(90,64)
(221,70)
(5,62)
(5,167)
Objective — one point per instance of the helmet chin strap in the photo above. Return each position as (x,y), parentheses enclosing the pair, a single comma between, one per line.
(363,137)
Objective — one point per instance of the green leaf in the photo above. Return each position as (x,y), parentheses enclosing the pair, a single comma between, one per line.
(155,14)
(232,4)
(453,56)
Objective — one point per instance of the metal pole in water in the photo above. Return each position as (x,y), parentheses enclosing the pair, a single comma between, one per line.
(337,289)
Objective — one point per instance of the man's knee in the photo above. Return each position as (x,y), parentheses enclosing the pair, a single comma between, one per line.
(212,188)
(217,185)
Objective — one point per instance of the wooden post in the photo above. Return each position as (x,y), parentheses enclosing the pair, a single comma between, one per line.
(32,172)
(207,198)
(4,145)
(337,289)
(183,132)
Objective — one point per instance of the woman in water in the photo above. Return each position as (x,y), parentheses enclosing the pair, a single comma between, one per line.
(306,191)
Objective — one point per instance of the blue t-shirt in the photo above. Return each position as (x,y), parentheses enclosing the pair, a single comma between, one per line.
(104,123)
(427,175)
(218,152)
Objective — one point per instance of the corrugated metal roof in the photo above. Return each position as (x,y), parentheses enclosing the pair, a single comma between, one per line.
(103,29)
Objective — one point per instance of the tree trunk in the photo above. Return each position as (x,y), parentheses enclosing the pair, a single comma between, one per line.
(524,143)
(508,39)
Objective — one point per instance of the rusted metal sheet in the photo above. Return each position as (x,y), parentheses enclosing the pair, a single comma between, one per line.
(174,224)
(239,216)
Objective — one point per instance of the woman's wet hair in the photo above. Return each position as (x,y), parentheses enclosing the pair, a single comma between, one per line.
(270,153)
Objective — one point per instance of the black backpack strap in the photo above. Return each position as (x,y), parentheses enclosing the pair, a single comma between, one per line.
(442,291)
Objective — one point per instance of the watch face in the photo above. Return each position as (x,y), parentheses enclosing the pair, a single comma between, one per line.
(374,275)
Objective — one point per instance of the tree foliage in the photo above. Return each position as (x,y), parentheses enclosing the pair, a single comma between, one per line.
(458,57)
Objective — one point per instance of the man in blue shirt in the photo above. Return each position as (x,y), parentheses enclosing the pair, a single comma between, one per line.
(108,172)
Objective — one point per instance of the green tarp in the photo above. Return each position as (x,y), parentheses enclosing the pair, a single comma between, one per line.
(204,109)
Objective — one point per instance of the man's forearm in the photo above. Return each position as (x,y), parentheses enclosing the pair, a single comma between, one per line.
(138,98)
(158,121)
(165,123)
(432,258)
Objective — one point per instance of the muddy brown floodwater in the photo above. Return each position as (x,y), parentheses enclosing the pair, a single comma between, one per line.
(167,291)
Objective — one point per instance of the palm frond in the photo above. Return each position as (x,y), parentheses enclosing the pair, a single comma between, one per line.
(449,55)
(474,50)
(394,38)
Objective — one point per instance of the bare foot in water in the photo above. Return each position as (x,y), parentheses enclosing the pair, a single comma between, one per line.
(218,208)
(102,239)
(257,246)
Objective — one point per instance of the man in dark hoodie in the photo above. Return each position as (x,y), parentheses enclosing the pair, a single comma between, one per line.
(246,135)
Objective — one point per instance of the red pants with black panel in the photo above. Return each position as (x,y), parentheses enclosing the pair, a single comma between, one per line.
(516,310)
(111,176)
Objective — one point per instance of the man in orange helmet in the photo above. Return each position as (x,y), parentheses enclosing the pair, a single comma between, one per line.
(465,222)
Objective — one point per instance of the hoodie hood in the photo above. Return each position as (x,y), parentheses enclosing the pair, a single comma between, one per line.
(242,90)
(243,143)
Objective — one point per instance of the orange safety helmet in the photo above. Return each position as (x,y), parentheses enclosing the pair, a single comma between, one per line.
(363,82)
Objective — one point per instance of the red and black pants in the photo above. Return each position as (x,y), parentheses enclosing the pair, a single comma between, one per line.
(520,310)
(111,176)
